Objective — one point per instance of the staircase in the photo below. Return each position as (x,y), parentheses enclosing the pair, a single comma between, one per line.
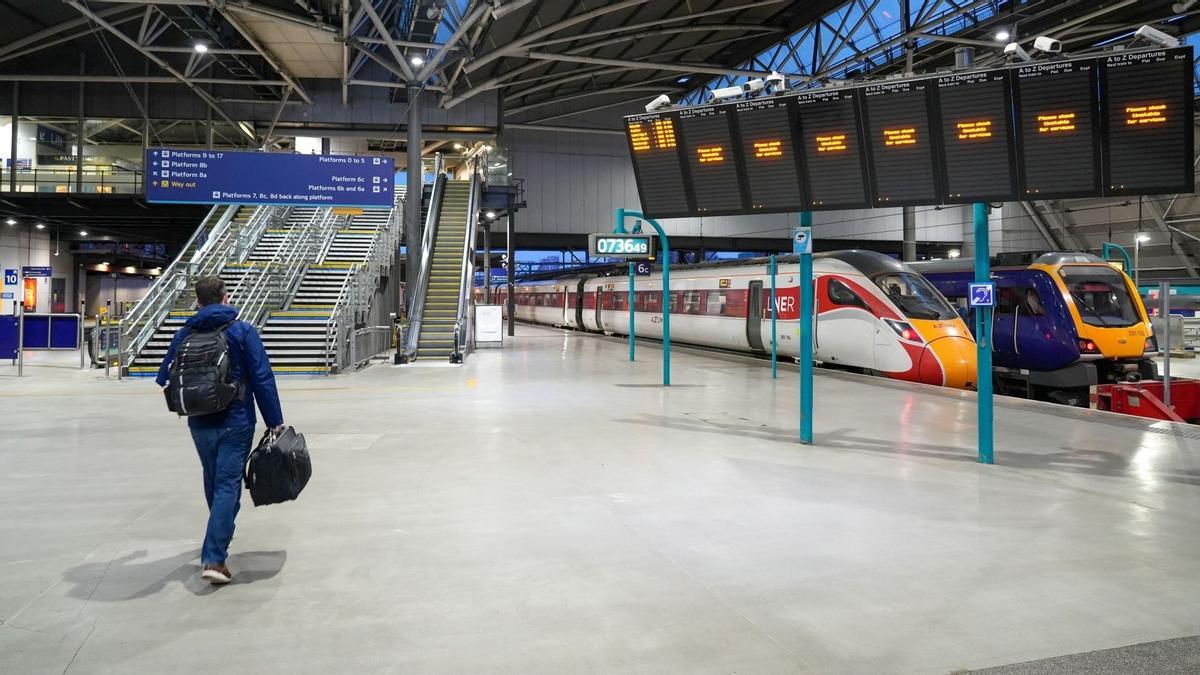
(438,317)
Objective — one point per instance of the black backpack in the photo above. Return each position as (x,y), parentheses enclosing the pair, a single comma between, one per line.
(199,382)
(279,468)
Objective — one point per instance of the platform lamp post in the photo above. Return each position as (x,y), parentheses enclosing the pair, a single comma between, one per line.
(1138,239)
(665,245)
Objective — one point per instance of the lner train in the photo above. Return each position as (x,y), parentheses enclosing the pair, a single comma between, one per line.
(872,313)
(1062,322)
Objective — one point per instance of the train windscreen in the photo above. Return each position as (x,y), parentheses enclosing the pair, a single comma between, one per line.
(1100,293)
(915,296)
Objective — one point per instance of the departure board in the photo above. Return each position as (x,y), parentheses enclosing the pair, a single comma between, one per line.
(769,155)
(1057,131)
(899,142)
(977,138)
(1148,122)
(656,165)
(710,152)
(833,155)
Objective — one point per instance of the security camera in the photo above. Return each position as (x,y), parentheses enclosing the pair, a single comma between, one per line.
(753,86)
(725,93)
(1014,49)
(776,81)
(1047,44)
(1156,36)
(661,102)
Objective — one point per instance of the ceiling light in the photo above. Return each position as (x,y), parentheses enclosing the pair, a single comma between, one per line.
(954,253)
(1003,35)
(104,264)
(1143,238)
(83,233)
(417,61)
(11,222)
(200,47)
(40,226)
(491,215)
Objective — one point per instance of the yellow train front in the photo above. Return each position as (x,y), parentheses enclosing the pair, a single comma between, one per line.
(1063,321)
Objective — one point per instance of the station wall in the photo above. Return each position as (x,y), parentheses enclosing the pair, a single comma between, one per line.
(20,247)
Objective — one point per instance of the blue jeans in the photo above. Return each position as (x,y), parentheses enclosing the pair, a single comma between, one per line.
(223,453)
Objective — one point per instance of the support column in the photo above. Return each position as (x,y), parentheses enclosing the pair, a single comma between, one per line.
(487,263)
(413,227)
(80,129)
(16,115)
(910,233)
(983,336)
(146,112)
(511,272)
(326,146)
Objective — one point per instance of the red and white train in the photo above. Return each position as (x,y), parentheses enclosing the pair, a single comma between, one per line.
(872,312)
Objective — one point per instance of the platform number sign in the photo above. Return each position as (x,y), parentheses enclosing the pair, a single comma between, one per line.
(802,240)
(983,295)
(641,269)
(10,277)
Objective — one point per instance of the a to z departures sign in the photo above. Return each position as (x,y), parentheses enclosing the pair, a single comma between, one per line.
(712,159)
(977,138)
(1148,122)
(653,144)
(901,148)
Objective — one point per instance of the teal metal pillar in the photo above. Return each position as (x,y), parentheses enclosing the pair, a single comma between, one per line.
(665,245)
(774,333)
(983,337)
(631,311)
(806,340)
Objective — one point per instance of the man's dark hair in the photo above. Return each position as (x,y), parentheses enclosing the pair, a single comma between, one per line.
(210,291)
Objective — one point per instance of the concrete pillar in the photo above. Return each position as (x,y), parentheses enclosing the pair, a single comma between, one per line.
(512,271)
(413,227)
(910,233)
(16,114)
(326,146)
(80,129)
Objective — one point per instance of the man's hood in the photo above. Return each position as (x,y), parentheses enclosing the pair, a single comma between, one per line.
(212,317)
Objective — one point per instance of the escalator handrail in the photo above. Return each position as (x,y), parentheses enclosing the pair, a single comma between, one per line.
(417,304)
(466,278)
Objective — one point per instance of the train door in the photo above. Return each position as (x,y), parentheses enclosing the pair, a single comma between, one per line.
(1006,319)
(599,310)
(846,330)
(579,305)
(754,316)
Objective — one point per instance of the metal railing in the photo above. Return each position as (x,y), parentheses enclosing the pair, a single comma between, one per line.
(417,293)
(61,180)
(268,283)
(209,241)
(464,317)
(342,344)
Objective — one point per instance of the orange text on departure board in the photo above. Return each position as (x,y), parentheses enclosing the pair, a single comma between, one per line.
(768,149)
(831,143)
(974,130)
(639,137)
(1155,113)
(711,154)
(664,134)
(895,137)
(1056,123)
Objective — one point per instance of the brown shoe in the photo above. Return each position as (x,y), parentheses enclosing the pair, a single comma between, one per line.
(216,575)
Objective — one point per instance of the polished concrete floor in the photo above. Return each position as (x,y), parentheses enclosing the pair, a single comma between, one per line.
(548,508)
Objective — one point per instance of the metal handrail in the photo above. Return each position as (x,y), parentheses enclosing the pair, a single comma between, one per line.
(279,275)
(417,306)
(354,297)
(466,279)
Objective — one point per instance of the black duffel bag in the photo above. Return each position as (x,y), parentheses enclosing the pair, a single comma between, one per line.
(279,468)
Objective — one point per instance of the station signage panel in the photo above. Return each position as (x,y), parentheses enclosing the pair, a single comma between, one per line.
(1058,131)
(211,177)
(1148,116)
(712,159)
(769,155)
(900,144)
(977,149)
(834,163)
(1060,128)
(653,144)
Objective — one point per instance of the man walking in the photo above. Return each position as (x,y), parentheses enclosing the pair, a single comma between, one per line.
(223,439)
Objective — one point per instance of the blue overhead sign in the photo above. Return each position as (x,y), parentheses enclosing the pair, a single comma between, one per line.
(212,177)
(37,271)
(982,295)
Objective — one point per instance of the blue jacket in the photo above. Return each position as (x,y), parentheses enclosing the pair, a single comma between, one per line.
(248,363)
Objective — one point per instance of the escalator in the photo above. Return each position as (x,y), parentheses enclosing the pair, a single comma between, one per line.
(440,311)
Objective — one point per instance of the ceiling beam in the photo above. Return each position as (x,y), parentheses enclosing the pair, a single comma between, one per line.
(242,6)
(645,65)
(387,37)
(481,10)
(140,79)
(248,35)
(1159,219)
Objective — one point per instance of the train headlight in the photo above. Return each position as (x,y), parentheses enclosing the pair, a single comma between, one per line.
(904,330)
(1088,347)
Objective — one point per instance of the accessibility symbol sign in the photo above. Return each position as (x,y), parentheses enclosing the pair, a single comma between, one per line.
(802,240)
(983,295)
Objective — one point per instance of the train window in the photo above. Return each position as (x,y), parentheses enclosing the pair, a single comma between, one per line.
(691,302)
(715,304)
(1007,299)
(841,294)
(1100,295)
(1033,303)
(915,296)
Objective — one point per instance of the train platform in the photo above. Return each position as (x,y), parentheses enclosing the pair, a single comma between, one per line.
(549,508)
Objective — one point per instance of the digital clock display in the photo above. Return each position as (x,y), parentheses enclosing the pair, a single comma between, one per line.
(631,246)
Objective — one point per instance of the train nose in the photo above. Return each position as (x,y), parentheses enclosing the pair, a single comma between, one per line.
(949,361)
